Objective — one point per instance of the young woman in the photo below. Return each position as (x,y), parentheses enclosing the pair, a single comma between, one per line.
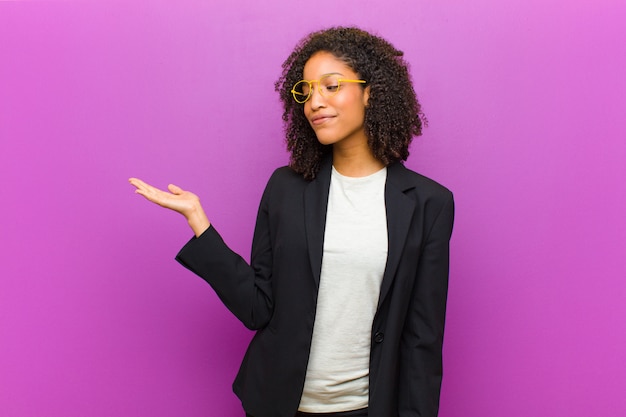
(348,276)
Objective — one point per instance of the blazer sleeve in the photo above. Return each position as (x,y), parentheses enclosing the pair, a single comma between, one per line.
(245,289)
(421,367)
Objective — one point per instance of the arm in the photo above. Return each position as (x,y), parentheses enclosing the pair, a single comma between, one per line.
(422,339)
(244,289)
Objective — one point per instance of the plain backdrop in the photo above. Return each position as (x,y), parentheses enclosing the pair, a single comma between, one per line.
(526,102)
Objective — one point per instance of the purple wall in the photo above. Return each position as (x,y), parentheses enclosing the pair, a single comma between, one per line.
(526,102)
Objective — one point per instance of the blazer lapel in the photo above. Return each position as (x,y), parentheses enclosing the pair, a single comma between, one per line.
(400,209)
(315,206)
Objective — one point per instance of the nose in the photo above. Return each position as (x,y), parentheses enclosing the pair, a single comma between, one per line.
(317,99)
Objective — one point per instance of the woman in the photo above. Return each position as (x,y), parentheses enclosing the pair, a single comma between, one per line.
(348,276)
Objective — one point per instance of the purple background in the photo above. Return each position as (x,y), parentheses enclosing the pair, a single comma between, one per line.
(526,101)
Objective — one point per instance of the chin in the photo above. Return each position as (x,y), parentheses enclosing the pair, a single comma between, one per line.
(326,139)
(326,142)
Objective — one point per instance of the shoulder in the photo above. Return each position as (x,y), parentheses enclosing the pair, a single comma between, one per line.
(285,176)
(284,172)
(411,182)
(283,180)
(433,201)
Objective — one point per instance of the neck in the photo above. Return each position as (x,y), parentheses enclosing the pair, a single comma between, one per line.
(356,161)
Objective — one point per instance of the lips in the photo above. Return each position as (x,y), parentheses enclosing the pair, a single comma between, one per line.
(320,119)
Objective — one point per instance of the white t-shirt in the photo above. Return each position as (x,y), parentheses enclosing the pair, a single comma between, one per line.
(355,255)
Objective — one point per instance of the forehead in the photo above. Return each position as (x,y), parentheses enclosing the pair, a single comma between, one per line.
(322,63)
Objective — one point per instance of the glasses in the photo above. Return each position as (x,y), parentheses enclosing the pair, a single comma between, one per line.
(328,86)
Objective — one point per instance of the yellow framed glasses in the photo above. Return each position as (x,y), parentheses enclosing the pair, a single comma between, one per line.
(327,86)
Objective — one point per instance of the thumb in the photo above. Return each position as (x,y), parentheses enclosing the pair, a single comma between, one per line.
(174,189)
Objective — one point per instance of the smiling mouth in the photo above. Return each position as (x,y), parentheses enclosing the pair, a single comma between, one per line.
(320,120)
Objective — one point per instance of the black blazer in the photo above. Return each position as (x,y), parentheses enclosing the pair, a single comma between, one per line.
(277,293)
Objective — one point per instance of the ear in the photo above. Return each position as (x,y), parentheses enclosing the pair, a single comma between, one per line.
(366,95)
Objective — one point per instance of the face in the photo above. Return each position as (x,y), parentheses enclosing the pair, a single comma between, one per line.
(337,120)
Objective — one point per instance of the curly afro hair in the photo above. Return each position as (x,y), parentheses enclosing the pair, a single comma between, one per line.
(393,114)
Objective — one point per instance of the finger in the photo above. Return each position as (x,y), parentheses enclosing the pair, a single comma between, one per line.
(134,182)
(147,191)
(174,189)
(147,194)
(144,187)
(138,183)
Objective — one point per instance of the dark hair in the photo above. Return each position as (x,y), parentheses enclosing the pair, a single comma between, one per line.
(393,114)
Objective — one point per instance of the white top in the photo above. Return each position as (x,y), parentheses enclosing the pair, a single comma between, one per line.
(355,255)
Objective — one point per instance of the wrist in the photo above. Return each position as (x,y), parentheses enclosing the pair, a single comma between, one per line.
(198,221)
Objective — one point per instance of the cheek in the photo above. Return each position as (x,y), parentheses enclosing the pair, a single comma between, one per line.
(306,109)
(352,104)
(355,110)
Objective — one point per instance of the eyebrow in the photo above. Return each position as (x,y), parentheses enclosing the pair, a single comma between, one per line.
(329,73)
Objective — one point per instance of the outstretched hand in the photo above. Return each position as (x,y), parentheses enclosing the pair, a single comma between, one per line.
(176,199)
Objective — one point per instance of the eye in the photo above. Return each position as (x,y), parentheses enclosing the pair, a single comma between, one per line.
(302,88)
(330,84)
(305,89)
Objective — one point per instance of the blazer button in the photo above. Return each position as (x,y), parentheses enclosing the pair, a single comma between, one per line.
(379,337)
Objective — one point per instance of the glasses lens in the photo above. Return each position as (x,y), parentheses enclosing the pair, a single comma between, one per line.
(301,91)
(329,85)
